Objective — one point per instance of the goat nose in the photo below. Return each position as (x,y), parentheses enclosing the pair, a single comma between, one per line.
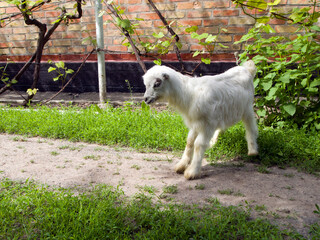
(145,99)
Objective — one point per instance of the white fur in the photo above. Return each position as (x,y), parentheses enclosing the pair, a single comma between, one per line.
(208,104)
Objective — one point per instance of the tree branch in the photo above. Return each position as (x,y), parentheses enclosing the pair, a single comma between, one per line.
(170,30)
(73,76)
(128,36)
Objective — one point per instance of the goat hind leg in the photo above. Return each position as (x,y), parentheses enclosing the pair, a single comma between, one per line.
(251,133)
(187,154)
(200,145)
(214,139)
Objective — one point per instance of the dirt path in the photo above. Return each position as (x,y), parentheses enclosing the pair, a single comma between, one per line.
(286,197)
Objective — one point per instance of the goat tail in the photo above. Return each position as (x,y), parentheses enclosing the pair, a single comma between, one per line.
(251,67)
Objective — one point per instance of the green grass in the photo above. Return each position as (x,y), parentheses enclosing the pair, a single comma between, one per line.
(32,211)
(142,129)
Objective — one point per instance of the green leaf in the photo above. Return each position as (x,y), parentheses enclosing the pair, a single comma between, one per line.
(211,38)
(261,112)
(266,85)
(165,44)
(144,106)
(223,46)
(276,2)
(56,78)
(261,4)
(315,83)
(60,64)
(179,45)
(202,36)
(206,60)
(51,69)
(285,78)
(272,92)
(159,35)
(158,61)
(263,19)
(191,29)
(270,75)
(316,28)
(196,53)
(290,109)
(69,71)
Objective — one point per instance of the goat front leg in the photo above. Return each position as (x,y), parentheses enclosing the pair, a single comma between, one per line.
(200,145)
(187,154)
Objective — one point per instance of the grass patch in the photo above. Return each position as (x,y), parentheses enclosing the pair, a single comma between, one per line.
(145,129)
(32,211)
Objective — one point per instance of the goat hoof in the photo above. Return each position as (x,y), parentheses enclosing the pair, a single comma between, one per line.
(190,174)
(179,168)
(253,153)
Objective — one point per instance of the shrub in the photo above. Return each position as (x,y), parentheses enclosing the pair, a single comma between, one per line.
(288,79)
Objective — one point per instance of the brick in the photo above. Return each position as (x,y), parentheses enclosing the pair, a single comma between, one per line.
(53,14)
(70,35)
(276,22)
(4,4)
(241,21)
(11,10)
(188,5)
(298,2)
(77,50)
(224,38)
(22,30)
(199,14)
(138,8)
(215,22)
(216,4)
(175,15)
(6,44)
(4,51)
(190,22)
(149,16)
(117,48)
(134,1)
(19,51)
(286,29)
(62,42)
(226,12)
(17,37)
(236,29)
(165,7)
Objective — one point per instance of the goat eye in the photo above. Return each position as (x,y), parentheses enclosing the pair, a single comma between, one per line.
(157,83)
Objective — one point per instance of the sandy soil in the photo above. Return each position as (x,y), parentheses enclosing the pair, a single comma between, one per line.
(287,197)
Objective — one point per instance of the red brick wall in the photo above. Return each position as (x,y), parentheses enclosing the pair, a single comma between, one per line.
(18,39)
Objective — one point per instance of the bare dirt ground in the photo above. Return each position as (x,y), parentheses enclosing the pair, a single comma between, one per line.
(286,197)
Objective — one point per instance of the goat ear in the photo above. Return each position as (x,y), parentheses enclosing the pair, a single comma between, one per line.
(157,83)
(165,76)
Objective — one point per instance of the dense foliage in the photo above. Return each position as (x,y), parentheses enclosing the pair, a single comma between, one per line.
(288,81)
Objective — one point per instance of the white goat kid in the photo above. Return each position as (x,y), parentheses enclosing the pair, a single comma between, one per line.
(208,104)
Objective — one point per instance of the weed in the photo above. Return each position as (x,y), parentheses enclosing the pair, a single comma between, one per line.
(260,208)
(263,169)
(231,192)
(171,189)
(93,157)
(54,153)
(226,192)
(200,186)
(135,166)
